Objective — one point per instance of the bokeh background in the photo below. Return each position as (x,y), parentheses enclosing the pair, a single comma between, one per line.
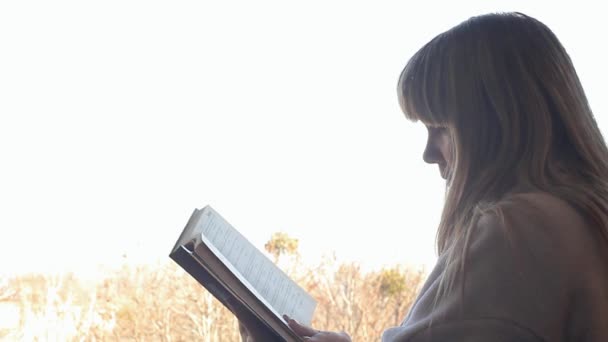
(118,118)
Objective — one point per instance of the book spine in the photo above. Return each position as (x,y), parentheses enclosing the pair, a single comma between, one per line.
(184,258)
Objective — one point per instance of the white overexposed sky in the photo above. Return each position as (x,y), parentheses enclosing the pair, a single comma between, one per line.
(118,118)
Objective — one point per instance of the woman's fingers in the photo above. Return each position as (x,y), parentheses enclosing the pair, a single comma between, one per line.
(300,329)
(244,333)
(328,336)
(313,335)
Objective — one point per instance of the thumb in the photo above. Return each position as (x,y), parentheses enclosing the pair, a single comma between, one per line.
(300,329)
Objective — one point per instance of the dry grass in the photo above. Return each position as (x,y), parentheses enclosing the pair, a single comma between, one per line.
(163,303)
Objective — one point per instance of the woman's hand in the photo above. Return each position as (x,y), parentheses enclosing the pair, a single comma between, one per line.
(245,337)
(251,332)
(313,335)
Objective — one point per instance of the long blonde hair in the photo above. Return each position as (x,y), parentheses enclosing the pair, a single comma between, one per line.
(507,91)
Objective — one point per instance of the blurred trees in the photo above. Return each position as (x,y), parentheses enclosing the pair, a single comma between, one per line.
(281,244)
(163,303)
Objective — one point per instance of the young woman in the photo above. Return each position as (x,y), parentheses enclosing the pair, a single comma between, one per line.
(523,238)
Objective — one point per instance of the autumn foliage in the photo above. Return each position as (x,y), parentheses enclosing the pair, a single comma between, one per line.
(163,303)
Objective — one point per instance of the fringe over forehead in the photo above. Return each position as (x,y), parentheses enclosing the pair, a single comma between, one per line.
(423,84)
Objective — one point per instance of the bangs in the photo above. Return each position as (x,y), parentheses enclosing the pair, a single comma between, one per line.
(422,86)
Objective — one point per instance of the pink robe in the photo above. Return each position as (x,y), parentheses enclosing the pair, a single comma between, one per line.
(539,275)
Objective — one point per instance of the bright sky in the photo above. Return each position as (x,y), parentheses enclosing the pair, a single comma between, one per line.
(118,118)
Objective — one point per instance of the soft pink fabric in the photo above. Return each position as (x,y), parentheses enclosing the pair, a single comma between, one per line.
(541,274)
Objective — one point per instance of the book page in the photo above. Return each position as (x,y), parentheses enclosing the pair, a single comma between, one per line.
(270,283)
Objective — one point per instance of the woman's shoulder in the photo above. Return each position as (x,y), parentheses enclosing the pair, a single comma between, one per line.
(539,213)
(562,253)
(538,203)
(546,251)
(553,233)
(531,270)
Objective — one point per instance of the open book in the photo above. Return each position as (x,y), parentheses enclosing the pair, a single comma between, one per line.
(239,275)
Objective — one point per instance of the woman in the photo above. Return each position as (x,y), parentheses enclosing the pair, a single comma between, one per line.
(523,238)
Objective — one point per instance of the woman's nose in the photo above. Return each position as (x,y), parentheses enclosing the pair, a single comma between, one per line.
(431,153)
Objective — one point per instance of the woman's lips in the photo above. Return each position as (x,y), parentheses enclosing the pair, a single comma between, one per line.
(442,170)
